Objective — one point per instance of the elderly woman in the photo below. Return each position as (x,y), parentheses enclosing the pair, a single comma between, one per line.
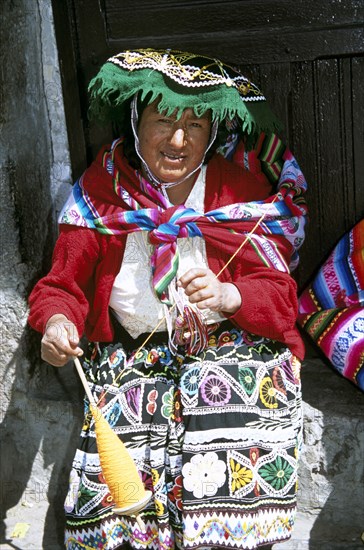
(173,259)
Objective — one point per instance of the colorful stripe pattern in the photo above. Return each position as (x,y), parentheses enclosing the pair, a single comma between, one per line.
(332,308)
(284,213)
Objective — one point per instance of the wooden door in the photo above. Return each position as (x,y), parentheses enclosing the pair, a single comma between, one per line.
(307,56)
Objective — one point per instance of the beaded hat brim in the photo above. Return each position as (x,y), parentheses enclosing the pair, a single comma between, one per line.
(180,80)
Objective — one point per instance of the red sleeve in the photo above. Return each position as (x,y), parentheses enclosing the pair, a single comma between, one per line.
(269,308)
(269,303)
(269,297)
(69,286)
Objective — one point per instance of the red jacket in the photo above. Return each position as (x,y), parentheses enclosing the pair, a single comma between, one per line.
(86,262)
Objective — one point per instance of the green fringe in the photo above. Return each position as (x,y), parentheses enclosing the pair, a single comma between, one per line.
(113,86)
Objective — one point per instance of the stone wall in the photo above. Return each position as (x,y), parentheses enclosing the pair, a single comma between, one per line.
(41,407)
(331,476)
(36,407)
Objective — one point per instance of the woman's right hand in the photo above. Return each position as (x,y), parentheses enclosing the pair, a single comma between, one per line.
(60,341)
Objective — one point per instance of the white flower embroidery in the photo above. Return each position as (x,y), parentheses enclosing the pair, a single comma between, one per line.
(204,475)
(72,496)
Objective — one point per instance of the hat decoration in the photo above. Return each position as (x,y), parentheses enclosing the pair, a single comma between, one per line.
(180,80)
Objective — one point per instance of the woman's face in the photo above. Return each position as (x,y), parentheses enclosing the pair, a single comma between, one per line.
(173,148)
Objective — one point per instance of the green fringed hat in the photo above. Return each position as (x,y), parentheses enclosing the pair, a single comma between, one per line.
(180,80)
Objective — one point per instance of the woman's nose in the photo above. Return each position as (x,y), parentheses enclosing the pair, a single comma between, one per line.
(178,137)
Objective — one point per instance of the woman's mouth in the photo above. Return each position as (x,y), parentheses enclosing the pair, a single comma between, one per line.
(173,158)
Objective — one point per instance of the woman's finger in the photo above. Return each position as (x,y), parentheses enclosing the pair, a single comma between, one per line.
(193,275)
(60,342)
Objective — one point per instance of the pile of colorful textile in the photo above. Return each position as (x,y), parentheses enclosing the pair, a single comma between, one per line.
(331,308)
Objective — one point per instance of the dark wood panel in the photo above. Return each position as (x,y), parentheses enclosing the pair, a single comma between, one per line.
(330,151)
(91,40)
(357,125)
(306,57)
(92,52)
(159,18)
(264,31)
(303,143)
(346,119)
(275,79)
(71,91)
(237,32)
(237,45)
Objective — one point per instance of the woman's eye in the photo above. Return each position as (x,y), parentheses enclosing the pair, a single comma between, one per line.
(166,120)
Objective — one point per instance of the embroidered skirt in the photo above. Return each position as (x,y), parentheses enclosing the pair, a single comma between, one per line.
(215,438)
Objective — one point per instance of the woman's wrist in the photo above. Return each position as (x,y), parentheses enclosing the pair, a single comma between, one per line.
(56,318)
(232,299)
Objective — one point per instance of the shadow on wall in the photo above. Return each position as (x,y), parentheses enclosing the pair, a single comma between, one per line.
(332,463)
(39,435)
(41,424)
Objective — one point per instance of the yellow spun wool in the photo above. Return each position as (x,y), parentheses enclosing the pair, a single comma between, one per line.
(118,467)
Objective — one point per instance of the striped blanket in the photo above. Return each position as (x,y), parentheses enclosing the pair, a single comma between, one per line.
(331,308)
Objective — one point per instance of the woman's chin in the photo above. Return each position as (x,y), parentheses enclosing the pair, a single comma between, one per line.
(171,176)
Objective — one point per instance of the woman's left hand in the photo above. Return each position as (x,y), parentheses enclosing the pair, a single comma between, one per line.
(204,289)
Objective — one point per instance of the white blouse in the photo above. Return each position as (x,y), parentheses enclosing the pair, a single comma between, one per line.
(133,299)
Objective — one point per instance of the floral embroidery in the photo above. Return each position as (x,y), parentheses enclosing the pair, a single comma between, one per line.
(278,381)
(253,455)
(240,475)
(276,473)
(147,481)
(190,380)
(251,339)
(210,480)
(151,405)
(247,338)
(159,508)
(268,393)
(215,391)
(176,493)
(235,336)
(247,379)
(155,476)
(152,357)
(164,355)
(133,399)
(177,412)
(101,478)
(225,339)
(107,500)
(72,495)
(204,474)
(212,341)
(140,356)
(87,420)
(168,403)
(116,358)
(113,415)
(84,495)
(296,368)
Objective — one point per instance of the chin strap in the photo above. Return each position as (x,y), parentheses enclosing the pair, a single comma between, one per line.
(151,177)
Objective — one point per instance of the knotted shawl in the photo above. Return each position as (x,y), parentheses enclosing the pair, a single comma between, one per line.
(113,198)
